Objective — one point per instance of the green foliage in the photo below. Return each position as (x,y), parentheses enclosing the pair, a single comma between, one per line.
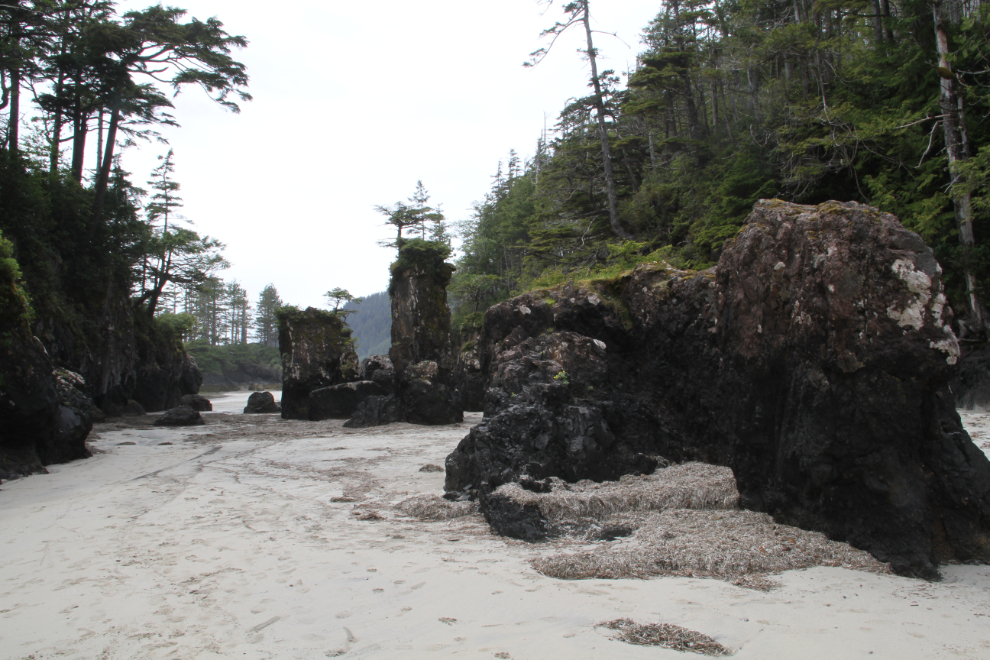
(338,299)
(561,377)
(731,103)
(428,258)
(15,307)
(234,358)
(178,324)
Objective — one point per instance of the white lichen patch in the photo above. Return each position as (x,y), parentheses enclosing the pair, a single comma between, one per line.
(918,283)
(949,346)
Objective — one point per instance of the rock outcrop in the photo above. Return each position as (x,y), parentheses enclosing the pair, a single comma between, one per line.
(316,353)
(814,360)
(341,401)
(420,374)
(197,402)
(180,416)
(260,403)
(35,428)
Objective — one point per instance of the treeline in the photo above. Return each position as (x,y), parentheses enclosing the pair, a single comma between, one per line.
(878,101)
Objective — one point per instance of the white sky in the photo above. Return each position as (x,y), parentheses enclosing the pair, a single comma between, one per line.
(353,103)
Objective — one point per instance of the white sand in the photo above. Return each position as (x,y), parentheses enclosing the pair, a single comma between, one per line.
(225,544)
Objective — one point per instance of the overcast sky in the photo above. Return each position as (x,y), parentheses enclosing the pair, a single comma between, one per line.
(353,103)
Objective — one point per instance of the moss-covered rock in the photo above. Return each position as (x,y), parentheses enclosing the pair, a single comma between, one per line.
(316,353)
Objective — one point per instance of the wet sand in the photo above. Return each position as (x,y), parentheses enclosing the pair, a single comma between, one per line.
(255,537)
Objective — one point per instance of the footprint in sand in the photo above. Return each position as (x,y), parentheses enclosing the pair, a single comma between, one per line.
(343,615)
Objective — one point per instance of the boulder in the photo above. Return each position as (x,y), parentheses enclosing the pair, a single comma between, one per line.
(190,377)
(261,403)
(180,416)
(376,411)
(316,353)
(340,401)
(379,369)
(197,402)
(426,398)
(814,360)
(132,409)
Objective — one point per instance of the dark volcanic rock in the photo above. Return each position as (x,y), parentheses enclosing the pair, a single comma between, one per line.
(430,401)
(376,411)
(180,416)
(316,353)
(814,360)
(197,402)
(340,401)
(45,416)
(260,403)
(379,369)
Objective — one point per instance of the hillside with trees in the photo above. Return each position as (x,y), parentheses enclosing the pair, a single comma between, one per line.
(371,322)
(883,103)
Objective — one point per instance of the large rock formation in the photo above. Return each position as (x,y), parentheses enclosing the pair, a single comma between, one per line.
(316,353)
(421,353)
(813,360)
(419,382)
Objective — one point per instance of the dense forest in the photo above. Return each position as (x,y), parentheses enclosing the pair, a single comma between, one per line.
(884,102)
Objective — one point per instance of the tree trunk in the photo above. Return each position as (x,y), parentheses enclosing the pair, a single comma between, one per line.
(877,25)
(13,125)
(103,177)
(954,130)
(613,197)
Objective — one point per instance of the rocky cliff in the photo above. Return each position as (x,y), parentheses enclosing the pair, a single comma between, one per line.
(813,360)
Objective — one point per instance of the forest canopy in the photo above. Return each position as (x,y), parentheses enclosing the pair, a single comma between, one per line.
(883,102)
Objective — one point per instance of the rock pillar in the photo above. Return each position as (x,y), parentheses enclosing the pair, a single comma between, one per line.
(316,353)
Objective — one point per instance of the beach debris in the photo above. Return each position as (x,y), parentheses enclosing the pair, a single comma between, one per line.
(435,508)
(666,635)
(742,547)
(431,467)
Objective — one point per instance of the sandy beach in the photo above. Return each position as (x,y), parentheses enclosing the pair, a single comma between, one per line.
(256,537)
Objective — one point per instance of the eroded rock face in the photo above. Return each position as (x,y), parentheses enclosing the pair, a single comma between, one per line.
(316,353)
(813,360)
(260,403)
